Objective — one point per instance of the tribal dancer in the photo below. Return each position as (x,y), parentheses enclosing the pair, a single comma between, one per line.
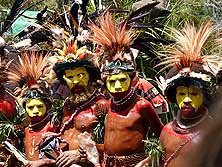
(188,85)
(83,106)
(34,95)
(130,115)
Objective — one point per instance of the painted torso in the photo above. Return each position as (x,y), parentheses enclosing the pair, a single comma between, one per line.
(33,138)
(188,145)
(125,129)
(84,120)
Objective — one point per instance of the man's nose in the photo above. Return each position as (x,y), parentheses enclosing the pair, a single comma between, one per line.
(187,100)
(118,85)
(75,81)
(35,110)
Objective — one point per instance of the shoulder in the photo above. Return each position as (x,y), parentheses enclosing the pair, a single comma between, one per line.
(168,126)
(143,103)
(101,106)
(145,82)
(26,130)
(145,107)
(167,129)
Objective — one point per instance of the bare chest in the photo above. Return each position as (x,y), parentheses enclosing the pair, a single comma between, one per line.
(180,149)
(83,120)
(31,145)
(123,120)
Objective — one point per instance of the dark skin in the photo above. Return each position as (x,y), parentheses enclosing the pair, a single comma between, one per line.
(190,154)
(181,139)
(32,139)
(42,163)
(78,81)
(125,130)
(83,121)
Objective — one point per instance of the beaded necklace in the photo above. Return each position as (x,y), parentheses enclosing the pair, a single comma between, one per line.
(129,99)
(79,108)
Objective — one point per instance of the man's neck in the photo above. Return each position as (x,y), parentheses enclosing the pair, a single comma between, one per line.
(37,125)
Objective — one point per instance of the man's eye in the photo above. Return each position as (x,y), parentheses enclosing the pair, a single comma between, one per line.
(194,94)
(111,81)
(181,93)
(122,80)
(69,77)
(80,75)
(39,106)
(30,107)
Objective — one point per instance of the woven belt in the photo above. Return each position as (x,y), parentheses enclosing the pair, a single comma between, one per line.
(126,161)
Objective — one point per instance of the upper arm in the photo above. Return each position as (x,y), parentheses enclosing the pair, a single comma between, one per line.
(151,118)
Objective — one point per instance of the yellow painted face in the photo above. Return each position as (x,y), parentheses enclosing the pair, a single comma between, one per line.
(118,82)
(78,76)
(189,95)
(35,107)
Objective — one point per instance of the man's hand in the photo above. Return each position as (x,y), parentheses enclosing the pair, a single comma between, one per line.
(68,158)
(42,163)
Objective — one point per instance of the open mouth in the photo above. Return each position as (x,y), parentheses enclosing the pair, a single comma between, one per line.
(77,89)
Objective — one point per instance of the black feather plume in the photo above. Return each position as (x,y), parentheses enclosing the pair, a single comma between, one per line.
(141,10)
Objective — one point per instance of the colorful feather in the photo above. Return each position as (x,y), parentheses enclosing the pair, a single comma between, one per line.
(32,66)
(71,51)
(189,46)
(109,37)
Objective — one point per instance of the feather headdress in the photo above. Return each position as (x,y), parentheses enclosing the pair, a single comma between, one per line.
(189,48)
(32,66)
(111,37)
(120,42)
(71,51)
(189,65)
(114,44)
(72,57)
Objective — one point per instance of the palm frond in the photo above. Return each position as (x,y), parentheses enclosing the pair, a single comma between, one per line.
(13,14)
(154,151)
(145,8)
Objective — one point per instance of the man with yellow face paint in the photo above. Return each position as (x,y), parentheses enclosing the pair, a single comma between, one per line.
(189,100)
(118,83)
(35,108)
(130,116)
(187,84)
(38,107)
(35,97)
(82,107)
